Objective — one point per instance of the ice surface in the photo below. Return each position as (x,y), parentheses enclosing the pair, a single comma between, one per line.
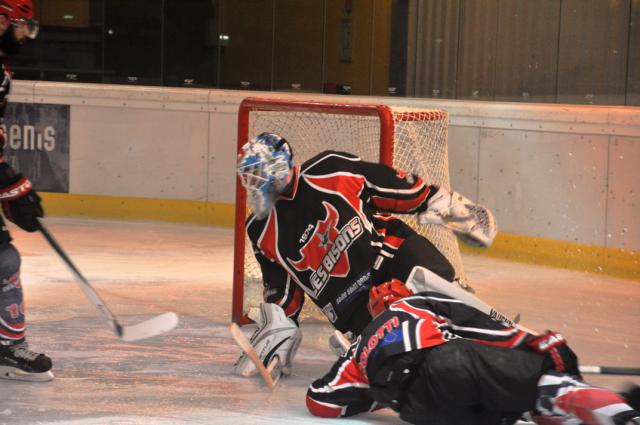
(185,377)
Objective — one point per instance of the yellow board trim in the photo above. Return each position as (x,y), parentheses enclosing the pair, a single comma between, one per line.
(127,208)
(525,249)
(567,255)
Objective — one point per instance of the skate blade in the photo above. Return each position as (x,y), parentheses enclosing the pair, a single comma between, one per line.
(14,374)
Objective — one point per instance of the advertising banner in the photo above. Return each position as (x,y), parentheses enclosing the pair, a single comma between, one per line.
(38,144)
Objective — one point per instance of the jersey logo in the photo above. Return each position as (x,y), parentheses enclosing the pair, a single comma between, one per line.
(384,335)
(325,251)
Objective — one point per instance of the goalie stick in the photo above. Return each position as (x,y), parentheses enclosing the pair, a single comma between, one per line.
(422,279)
(271,374)
(151,327)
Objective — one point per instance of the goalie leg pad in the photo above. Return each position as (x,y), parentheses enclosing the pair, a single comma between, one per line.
(276,336)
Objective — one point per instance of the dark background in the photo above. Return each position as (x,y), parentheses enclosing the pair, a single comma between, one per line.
(564,51)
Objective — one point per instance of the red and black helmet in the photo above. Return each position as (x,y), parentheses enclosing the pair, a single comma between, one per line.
(385,294)
(20,11)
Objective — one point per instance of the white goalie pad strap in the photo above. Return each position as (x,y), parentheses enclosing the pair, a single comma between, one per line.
(276,336)
(474,224)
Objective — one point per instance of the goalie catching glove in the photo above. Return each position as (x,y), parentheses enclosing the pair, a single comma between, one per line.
(277,336)
(474,224)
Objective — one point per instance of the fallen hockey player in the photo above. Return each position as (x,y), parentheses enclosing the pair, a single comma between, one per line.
(324,229)
(437,361)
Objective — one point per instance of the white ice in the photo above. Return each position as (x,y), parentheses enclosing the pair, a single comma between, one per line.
(143,269)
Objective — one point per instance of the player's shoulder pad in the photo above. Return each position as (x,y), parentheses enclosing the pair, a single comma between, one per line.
(328,158)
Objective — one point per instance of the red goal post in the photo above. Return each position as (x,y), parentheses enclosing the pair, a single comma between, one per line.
(410,139)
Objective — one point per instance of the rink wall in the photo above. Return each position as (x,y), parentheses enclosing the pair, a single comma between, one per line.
(561,178)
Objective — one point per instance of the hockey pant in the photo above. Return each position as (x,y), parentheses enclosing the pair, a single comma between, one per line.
(414,251)
(463,382)
(11,297)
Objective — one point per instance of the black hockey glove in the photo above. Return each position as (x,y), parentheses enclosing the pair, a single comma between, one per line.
(558,355)
(21,204)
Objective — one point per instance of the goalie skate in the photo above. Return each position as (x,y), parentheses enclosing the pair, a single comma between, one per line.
(19,363)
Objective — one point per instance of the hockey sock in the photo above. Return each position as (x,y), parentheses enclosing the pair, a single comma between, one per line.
(11,297)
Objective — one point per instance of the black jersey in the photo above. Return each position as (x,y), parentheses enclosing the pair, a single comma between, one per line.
(400,333)
(330,230)
(7,174)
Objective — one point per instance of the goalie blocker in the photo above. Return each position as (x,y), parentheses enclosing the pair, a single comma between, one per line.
(277,337)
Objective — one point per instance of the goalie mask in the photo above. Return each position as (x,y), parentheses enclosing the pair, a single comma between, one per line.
(264,166)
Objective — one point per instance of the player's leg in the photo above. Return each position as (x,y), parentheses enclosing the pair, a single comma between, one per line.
(563,398)
(464,382)
(16,360)
(415,251)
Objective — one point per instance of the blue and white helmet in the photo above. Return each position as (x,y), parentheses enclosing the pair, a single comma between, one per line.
(264,165)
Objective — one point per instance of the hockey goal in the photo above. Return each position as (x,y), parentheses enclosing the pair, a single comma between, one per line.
(413,140)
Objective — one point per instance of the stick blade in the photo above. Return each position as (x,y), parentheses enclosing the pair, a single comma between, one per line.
(152,327)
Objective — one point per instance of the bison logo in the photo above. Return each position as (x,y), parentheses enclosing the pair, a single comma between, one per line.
(325,251)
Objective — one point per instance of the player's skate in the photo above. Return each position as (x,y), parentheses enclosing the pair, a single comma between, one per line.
(474,224)
(19,363)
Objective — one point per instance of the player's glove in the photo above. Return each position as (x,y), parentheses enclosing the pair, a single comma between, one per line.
(276,336)
(21,204)
(474,224)
(558,355)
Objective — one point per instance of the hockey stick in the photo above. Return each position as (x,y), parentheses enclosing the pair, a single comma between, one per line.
(266,373)
(610,370)
(152,327)
(422,279)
